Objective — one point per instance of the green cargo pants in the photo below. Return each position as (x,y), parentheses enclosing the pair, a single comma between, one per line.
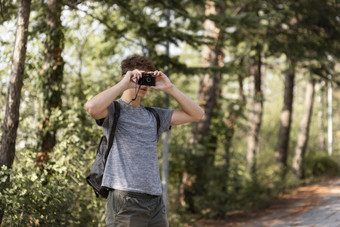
(131,209)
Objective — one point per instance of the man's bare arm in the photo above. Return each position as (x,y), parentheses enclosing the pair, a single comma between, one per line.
(189,111)
(97,106)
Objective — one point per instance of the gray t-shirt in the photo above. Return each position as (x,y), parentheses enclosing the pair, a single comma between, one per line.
(132,164)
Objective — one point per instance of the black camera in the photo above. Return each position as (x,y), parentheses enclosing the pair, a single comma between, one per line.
(147,79)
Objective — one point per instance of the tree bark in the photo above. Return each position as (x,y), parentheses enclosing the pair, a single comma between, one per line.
(320,100)
(165,155)
(231,118)
(212,56)
(330,115)
(52,76)
(302,142)
(255,115)
(11,120)
(281,152)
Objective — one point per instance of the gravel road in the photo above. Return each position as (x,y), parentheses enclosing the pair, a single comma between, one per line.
(325,214)
(316,205)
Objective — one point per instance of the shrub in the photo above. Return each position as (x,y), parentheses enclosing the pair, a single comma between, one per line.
(34,198)
(321,165)
(325,166)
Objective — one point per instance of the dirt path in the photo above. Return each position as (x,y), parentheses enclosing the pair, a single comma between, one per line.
(316,205)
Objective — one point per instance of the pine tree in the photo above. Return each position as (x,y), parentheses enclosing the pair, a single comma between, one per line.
(52,77)
(11,121)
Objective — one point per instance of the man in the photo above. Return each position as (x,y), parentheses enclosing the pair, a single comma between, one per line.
(132,166)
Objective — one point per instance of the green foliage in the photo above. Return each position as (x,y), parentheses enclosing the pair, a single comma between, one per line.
(321,165)
(58,196)
(8,10)
(33,198)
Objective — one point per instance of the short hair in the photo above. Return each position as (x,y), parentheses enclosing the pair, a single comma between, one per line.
(137,62)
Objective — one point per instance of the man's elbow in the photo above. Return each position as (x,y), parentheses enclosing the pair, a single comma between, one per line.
(199,115)
(90,108)
(95,111)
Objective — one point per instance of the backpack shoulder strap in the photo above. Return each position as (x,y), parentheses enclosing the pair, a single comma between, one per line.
(113,129)
(154,112)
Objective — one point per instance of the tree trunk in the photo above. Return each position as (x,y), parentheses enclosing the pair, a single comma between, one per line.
(302,142)
(320,100)
(52,76)
(255,115)
(330,115)
(231,117)
(281,152)
(212,56)
(11,121)
(165,155)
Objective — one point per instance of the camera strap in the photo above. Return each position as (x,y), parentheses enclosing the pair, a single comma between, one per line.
(140,85)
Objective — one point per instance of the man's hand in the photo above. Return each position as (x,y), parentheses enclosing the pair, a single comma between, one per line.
(130,79)
(162,82)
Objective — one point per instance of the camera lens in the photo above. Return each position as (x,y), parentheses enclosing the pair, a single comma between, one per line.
(148,79)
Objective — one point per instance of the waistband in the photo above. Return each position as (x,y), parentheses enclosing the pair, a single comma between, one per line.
(137,195)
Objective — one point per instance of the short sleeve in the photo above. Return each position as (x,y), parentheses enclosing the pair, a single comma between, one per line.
(165,116)
(100,121)
(107,122)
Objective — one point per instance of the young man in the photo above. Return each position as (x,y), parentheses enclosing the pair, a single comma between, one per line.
(132,167)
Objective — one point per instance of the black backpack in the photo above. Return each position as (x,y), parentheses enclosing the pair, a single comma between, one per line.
(97,170)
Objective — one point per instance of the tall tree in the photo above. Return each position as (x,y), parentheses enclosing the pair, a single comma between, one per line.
(236,110)
(212,57)
(255,115)
(11,121)
(250,41)
(234,113)
(165,154)
(52,77)
(281,151)
(320,101)
(289,40)
(301,146)
(330,115)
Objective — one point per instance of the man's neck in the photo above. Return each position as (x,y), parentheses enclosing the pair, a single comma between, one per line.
(127,96)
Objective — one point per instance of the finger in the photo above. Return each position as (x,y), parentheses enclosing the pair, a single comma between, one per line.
(133,78)
(156,73)
(154,88)
(138,75)
(128,74)
(160,73)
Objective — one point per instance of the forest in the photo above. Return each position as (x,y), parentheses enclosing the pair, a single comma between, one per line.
(265,72)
